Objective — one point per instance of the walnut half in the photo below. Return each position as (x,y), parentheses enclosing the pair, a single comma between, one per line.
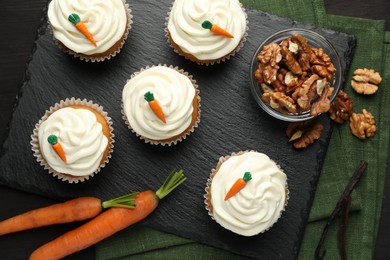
(365,81)
(362,125)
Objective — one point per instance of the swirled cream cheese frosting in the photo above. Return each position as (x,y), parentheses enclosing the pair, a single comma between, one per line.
(81,138)
(175,94)
(257,206)
(185,29)
(106,20)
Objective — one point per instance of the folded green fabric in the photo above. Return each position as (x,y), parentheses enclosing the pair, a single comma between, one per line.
(345,151)
(344,154)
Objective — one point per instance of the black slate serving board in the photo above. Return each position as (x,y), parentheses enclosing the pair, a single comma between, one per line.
(231,121)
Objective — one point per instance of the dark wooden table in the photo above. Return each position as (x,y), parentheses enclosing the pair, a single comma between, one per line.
(20,20)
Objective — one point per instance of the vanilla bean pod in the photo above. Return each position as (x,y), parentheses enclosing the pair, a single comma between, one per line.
(339,206)
(343,227)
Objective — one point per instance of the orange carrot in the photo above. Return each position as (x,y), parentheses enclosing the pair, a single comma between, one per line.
(69,211)
(73,210)
(216,29)
(75,19)
(155,106)
(107,223)
(238,185)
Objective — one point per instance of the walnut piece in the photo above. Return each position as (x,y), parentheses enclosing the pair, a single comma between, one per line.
(322,104)
(290,61)
(268,59)
(321,63)
(280,101)
(270,55)
(304,100)
(362,125)
(302,134)
(341,109)
(303,50)
(365,81)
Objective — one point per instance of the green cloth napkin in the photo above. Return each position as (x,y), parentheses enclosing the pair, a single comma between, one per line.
(344,154)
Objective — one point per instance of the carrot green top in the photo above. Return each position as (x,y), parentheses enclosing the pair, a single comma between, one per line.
(52,139)
(207,24)
(174,179)
(74,18)
(149,96)
(247,176)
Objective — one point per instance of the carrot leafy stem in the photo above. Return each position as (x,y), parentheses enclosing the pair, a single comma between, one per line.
(126,201)
(174,179)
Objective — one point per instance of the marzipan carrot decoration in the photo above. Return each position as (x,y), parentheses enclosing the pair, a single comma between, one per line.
(75,19)
(216,29)
(73,210)
(108,222)
(238,185)
(57,147)
(155,106)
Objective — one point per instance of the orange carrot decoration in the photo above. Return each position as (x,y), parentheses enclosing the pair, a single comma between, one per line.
(75,19)
(216,29)
(155,106)
(52,139)
(238,185)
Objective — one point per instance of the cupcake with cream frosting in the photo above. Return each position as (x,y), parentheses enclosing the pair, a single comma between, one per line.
(246,193)
(191,24)
(161,104)
(73,140)
(92,30)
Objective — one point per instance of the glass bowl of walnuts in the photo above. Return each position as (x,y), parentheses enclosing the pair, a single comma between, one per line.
(295,75)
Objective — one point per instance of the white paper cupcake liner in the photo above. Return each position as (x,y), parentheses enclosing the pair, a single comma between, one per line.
(35,142)
(207,195)
(90,58)
(181,137)
(216,61)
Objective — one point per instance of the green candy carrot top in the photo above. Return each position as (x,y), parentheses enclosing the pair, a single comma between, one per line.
(75,19)
(216,29)
(155,106)
(238,185)
(57,147)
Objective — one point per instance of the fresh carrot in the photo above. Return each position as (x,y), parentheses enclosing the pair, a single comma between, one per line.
(107,223)
(57,147)
(238,185)
(72,210)
(155,106)
(75,19)
(216,29)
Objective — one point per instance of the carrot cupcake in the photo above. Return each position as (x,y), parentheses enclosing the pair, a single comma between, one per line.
(207,31)
(73,140)
(161,104)
(246,193)
(92,30)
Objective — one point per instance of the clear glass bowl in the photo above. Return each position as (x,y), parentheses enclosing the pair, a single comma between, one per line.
(315,40)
